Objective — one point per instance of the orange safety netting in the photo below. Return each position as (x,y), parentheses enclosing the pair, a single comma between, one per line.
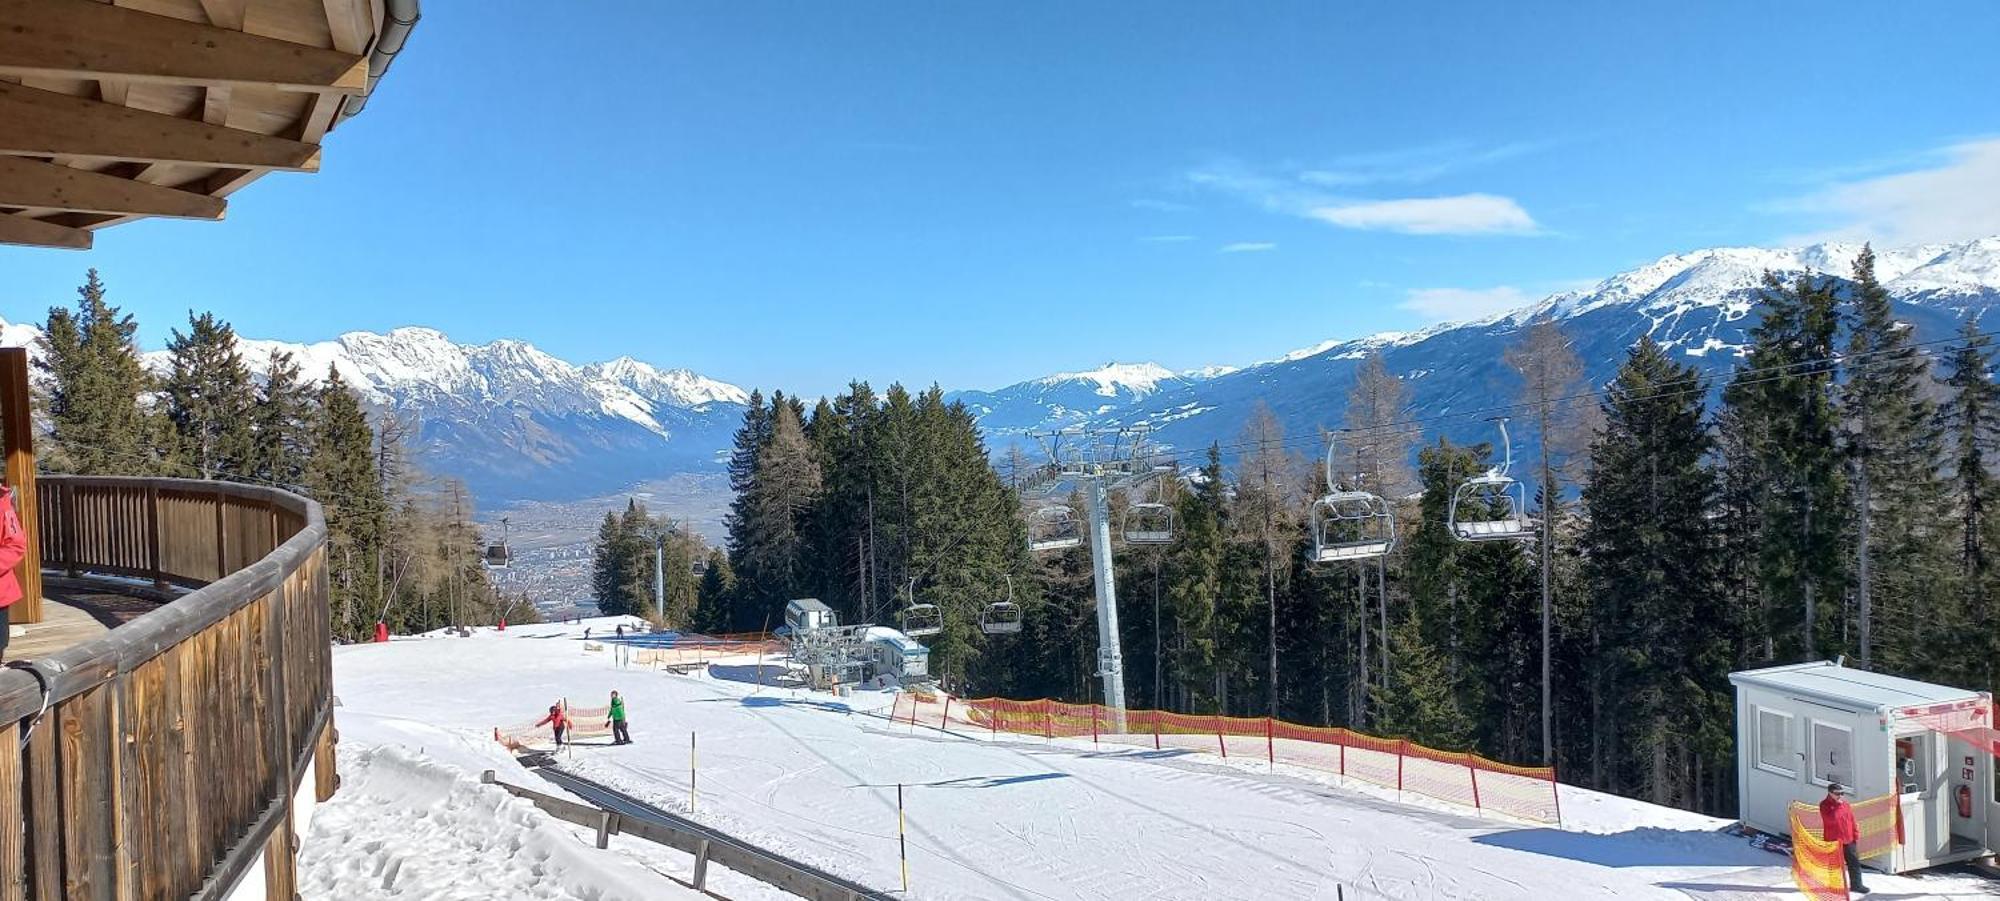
(1875,819)
(1817,866)
(584,722)
(1969,721)
(1525,792)
(694,648)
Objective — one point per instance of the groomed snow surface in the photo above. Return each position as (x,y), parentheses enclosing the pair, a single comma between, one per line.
(814,777)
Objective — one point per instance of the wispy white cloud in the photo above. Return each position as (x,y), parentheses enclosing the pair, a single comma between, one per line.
(1409,165)
(1452,304)
(1955,198)
(1462,214)
(1161,206)
(1167,239)
(1465,214)
(1247,247)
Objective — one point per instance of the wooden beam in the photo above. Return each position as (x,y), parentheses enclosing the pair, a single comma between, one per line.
(45,123)
(26,182)
(90,39)
(22,230)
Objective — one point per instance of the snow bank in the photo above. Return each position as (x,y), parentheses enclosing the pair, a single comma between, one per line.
(412,821)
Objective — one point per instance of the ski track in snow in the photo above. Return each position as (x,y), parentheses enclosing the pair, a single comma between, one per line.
(814,777)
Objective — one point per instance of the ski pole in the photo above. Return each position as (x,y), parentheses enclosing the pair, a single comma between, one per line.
(902,843)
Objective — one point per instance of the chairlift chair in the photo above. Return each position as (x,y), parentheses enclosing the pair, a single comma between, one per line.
(1149,523)
(1053,528)
(1350,524)
(1001,617)
(1497,500)
(922,619)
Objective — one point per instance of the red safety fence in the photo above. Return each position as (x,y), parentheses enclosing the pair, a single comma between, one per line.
(1528,793)
(1817,866)
(688,648)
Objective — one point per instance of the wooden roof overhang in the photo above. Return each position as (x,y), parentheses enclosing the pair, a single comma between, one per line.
(115,111)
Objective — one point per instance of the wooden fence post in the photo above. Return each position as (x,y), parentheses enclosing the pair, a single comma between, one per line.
(1218,739)
(1096,710)
(1270,743)
(1555,795)
(945,721)
(1402,752)
(1472,768)
(1048,719)
(221,543)
(1156,730)
(153,562)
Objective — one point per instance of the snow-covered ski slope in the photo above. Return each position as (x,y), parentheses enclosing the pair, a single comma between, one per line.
(815,777)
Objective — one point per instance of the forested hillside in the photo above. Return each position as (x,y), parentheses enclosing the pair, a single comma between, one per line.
(1836,502)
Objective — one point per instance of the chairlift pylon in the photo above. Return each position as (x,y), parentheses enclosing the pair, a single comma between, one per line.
(497,555)
(1350,524)
(1499,502)
(1001,617)
(1053,527)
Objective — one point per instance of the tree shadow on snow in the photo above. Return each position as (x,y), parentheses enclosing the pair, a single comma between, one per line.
(1648,846)
(773,675)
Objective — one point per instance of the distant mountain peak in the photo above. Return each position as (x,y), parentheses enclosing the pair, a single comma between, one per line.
(1138,378)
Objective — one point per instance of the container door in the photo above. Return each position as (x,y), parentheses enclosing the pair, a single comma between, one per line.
(1992,802)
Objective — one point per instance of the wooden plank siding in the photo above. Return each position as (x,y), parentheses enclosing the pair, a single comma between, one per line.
(173,745)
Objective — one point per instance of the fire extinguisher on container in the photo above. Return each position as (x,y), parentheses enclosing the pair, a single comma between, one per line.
(1965,801)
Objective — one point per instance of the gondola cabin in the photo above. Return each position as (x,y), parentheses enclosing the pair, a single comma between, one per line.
(1931,746)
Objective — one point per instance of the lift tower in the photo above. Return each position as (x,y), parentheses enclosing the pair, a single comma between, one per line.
(1097,462)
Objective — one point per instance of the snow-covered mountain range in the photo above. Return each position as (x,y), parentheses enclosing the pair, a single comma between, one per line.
(518,423)
(1699,303)
(513,421)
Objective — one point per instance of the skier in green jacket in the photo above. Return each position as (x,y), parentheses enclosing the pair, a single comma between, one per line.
(620,735)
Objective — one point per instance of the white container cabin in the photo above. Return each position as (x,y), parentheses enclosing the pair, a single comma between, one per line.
(1800,726)
(808,615)
(898,655)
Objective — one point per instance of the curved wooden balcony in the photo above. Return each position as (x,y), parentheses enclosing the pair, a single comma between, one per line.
(177,755)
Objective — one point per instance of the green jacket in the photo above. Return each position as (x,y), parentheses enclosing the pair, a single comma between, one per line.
(618,710)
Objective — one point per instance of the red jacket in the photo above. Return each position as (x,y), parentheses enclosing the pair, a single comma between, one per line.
(13,547)
(1837,818)
(556,717)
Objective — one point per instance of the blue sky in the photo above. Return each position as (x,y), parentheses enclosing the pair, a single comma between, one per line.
(792,194)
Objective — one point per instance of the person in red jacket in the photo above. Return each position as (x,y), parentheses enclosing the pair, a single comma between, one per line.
(1836,817)
(13,546)
(557,720)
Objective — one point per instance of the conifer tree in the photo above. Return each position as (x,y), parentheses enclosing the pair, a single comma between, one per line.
(1787,383)
(279,441)
(1650,560)
(786,480)
(1265,504)
(95,384)
(340,474)
(1418,701)
(1894,450)
(1377,448)
(1550,375)
(1194,585)
(209,399)
(1970,420)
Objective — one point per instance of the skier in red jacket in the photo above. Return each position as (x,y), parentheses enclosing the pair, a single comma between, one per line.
(13,547)
(1836,817)
(558,720)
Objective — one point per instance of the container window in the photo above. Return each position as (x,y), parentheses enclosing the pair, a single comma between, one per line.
(1774,742)
(1832,753)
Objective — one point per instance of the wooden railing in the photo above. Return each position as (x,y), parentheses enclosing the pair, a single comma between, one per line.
(165,758)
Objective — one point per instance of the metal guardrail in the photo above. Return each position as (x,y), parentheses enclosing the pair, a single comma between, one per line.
(617,813)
